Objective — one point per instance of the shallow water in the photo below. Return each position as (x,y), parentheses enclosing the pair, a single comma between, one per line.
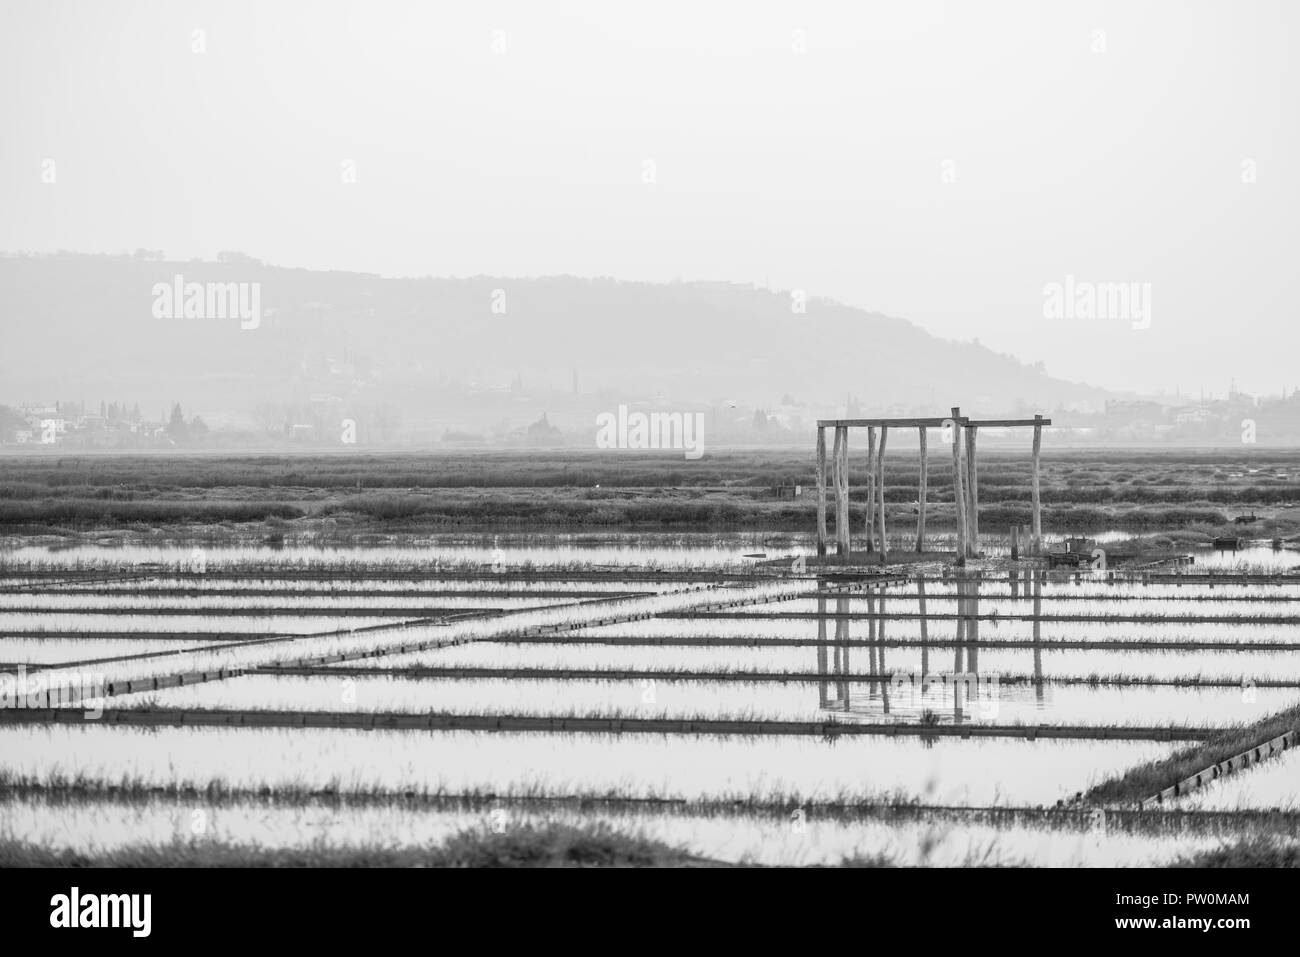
(63,650)
(163,624)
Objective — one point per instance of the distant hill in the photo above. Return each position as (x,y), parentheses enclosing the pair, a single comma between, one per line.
(83,327)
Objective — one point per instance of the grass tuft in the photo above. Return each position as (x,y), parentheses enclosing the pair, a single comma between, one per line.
(1259,851)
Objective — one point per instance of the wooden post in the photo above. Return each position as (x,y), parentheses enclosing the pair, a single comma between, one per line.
(1038,517)
(880,484)
(958,489)
(821,492)
(871,489)
(844,480)
(1015,553)
(842,491)
(835,483)
(920,494)
(973,492)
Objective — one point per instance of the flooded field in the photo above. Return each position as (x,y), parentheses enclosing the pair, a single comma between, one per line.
(674,681)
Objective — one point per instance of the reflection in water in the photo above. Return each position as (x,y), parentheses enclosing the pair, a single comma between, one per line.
(927,696)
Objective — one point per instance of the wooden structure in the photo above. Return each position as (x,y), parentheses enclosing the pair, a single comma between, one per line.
(965,474)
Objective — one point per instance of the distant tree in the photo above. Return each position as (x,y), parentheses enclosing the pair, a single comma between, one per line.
(177,431)
(542,431)
(760,420)
(235,256)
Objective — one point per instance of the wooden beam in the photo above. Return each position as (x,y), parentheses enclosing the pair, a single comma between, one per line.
(871,490)
(821,492)
(930,423)
(1037,543)
(880,484)
(844,479)
(958,491)
(876,423)
(973,490)
(834,480)
(921,492)
(1006,423)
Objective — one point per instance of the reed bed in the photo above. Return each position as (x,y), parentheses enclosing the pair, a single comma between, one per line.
(1271,785)
(854,675)
(1092,609)
(1093,590)
(1088,705)
(790,770)
(1052,664)
(344,560)
(376,638)
(1141,616)
(1046,633)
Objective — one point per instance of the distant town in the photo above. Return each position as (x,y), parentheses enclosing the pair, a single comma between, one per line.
(512,419)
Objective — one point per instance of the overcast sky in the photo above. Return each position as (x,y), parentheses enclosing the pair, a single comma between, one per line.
(941,162)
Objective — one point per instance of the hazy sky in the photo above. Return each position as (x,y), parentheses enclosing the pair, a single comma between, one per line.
(941,162)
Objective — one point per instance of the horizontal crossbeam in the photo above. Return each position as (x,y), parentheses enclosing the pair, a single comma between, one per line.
(931,423)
